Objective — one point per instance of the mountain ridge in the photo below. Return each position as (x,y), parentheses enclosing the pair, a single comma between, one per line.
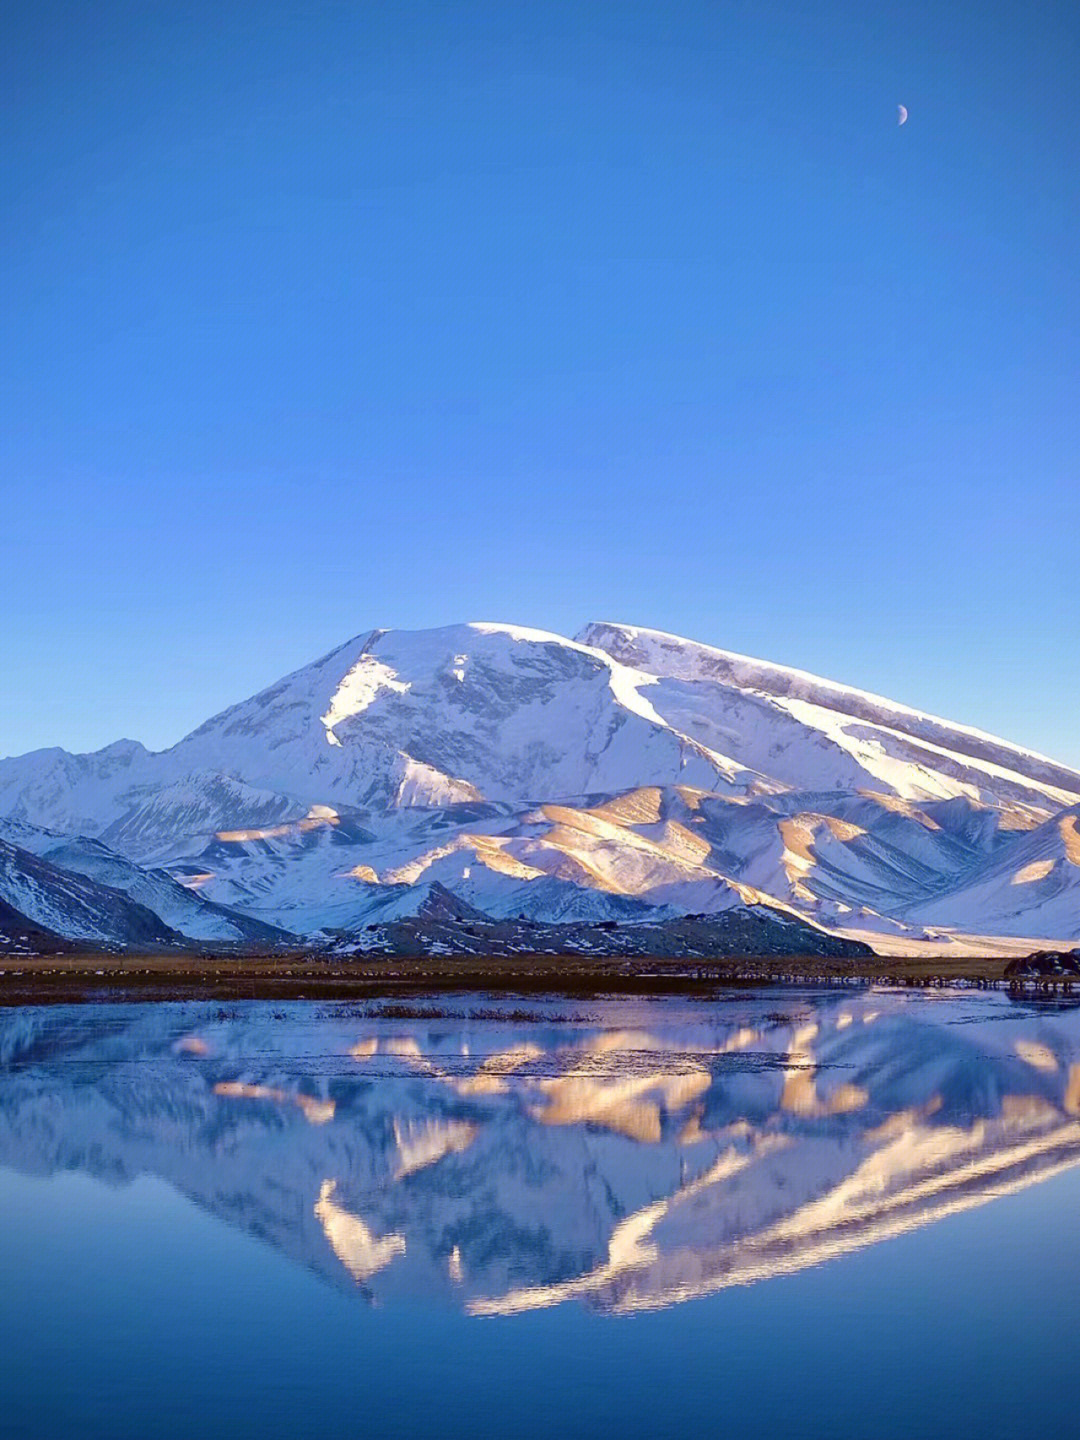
(805,684)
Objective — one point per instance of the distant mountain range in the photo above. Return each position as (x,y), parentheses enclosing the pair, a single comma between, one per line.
(626,776)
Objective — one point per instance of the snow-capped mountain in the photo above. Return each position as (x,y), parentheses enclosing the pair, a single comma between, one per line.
(537,776)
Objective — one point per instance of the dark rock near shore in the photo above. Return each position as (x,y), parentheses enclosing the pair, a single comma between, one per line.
(1064,963)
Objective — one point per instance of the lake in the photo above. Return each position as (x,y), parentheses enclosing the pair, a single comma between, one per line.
(848,1212)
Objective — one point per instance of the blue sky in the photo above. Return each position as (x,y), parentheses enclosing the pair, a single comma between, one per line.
(324,316)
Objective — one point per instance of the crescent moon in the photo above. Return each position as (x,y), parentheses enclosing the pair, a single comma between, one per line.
(901,111)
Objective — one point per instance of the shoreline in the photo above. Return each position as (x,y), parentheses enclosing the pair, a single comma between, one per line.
(86,977)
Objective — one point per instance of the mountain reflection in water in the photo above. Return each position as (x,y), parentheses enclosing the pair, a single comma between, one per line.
(623,1154)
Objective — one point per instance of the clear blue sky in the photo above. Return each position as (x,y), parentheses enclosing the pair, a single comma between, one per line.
(320,316)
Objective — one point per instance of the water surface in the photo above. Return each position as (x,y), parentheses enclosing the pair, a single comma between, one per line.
(820,1214)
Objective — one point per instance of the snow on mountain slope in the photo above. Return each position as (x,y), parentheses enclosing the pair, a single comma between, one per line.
(548,899)
(75,794)
(528,864)
(180,908)
(311,875)
(834,859)
(1034,889)
(437,717)
(20,936)
(839,858)
(74,906)
(339,876)
(200,804)
(641,853)
(534,775)
(808,732)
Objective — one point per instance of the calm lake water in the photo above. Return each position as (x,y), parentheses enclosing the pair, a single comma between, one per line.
(802,1214)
